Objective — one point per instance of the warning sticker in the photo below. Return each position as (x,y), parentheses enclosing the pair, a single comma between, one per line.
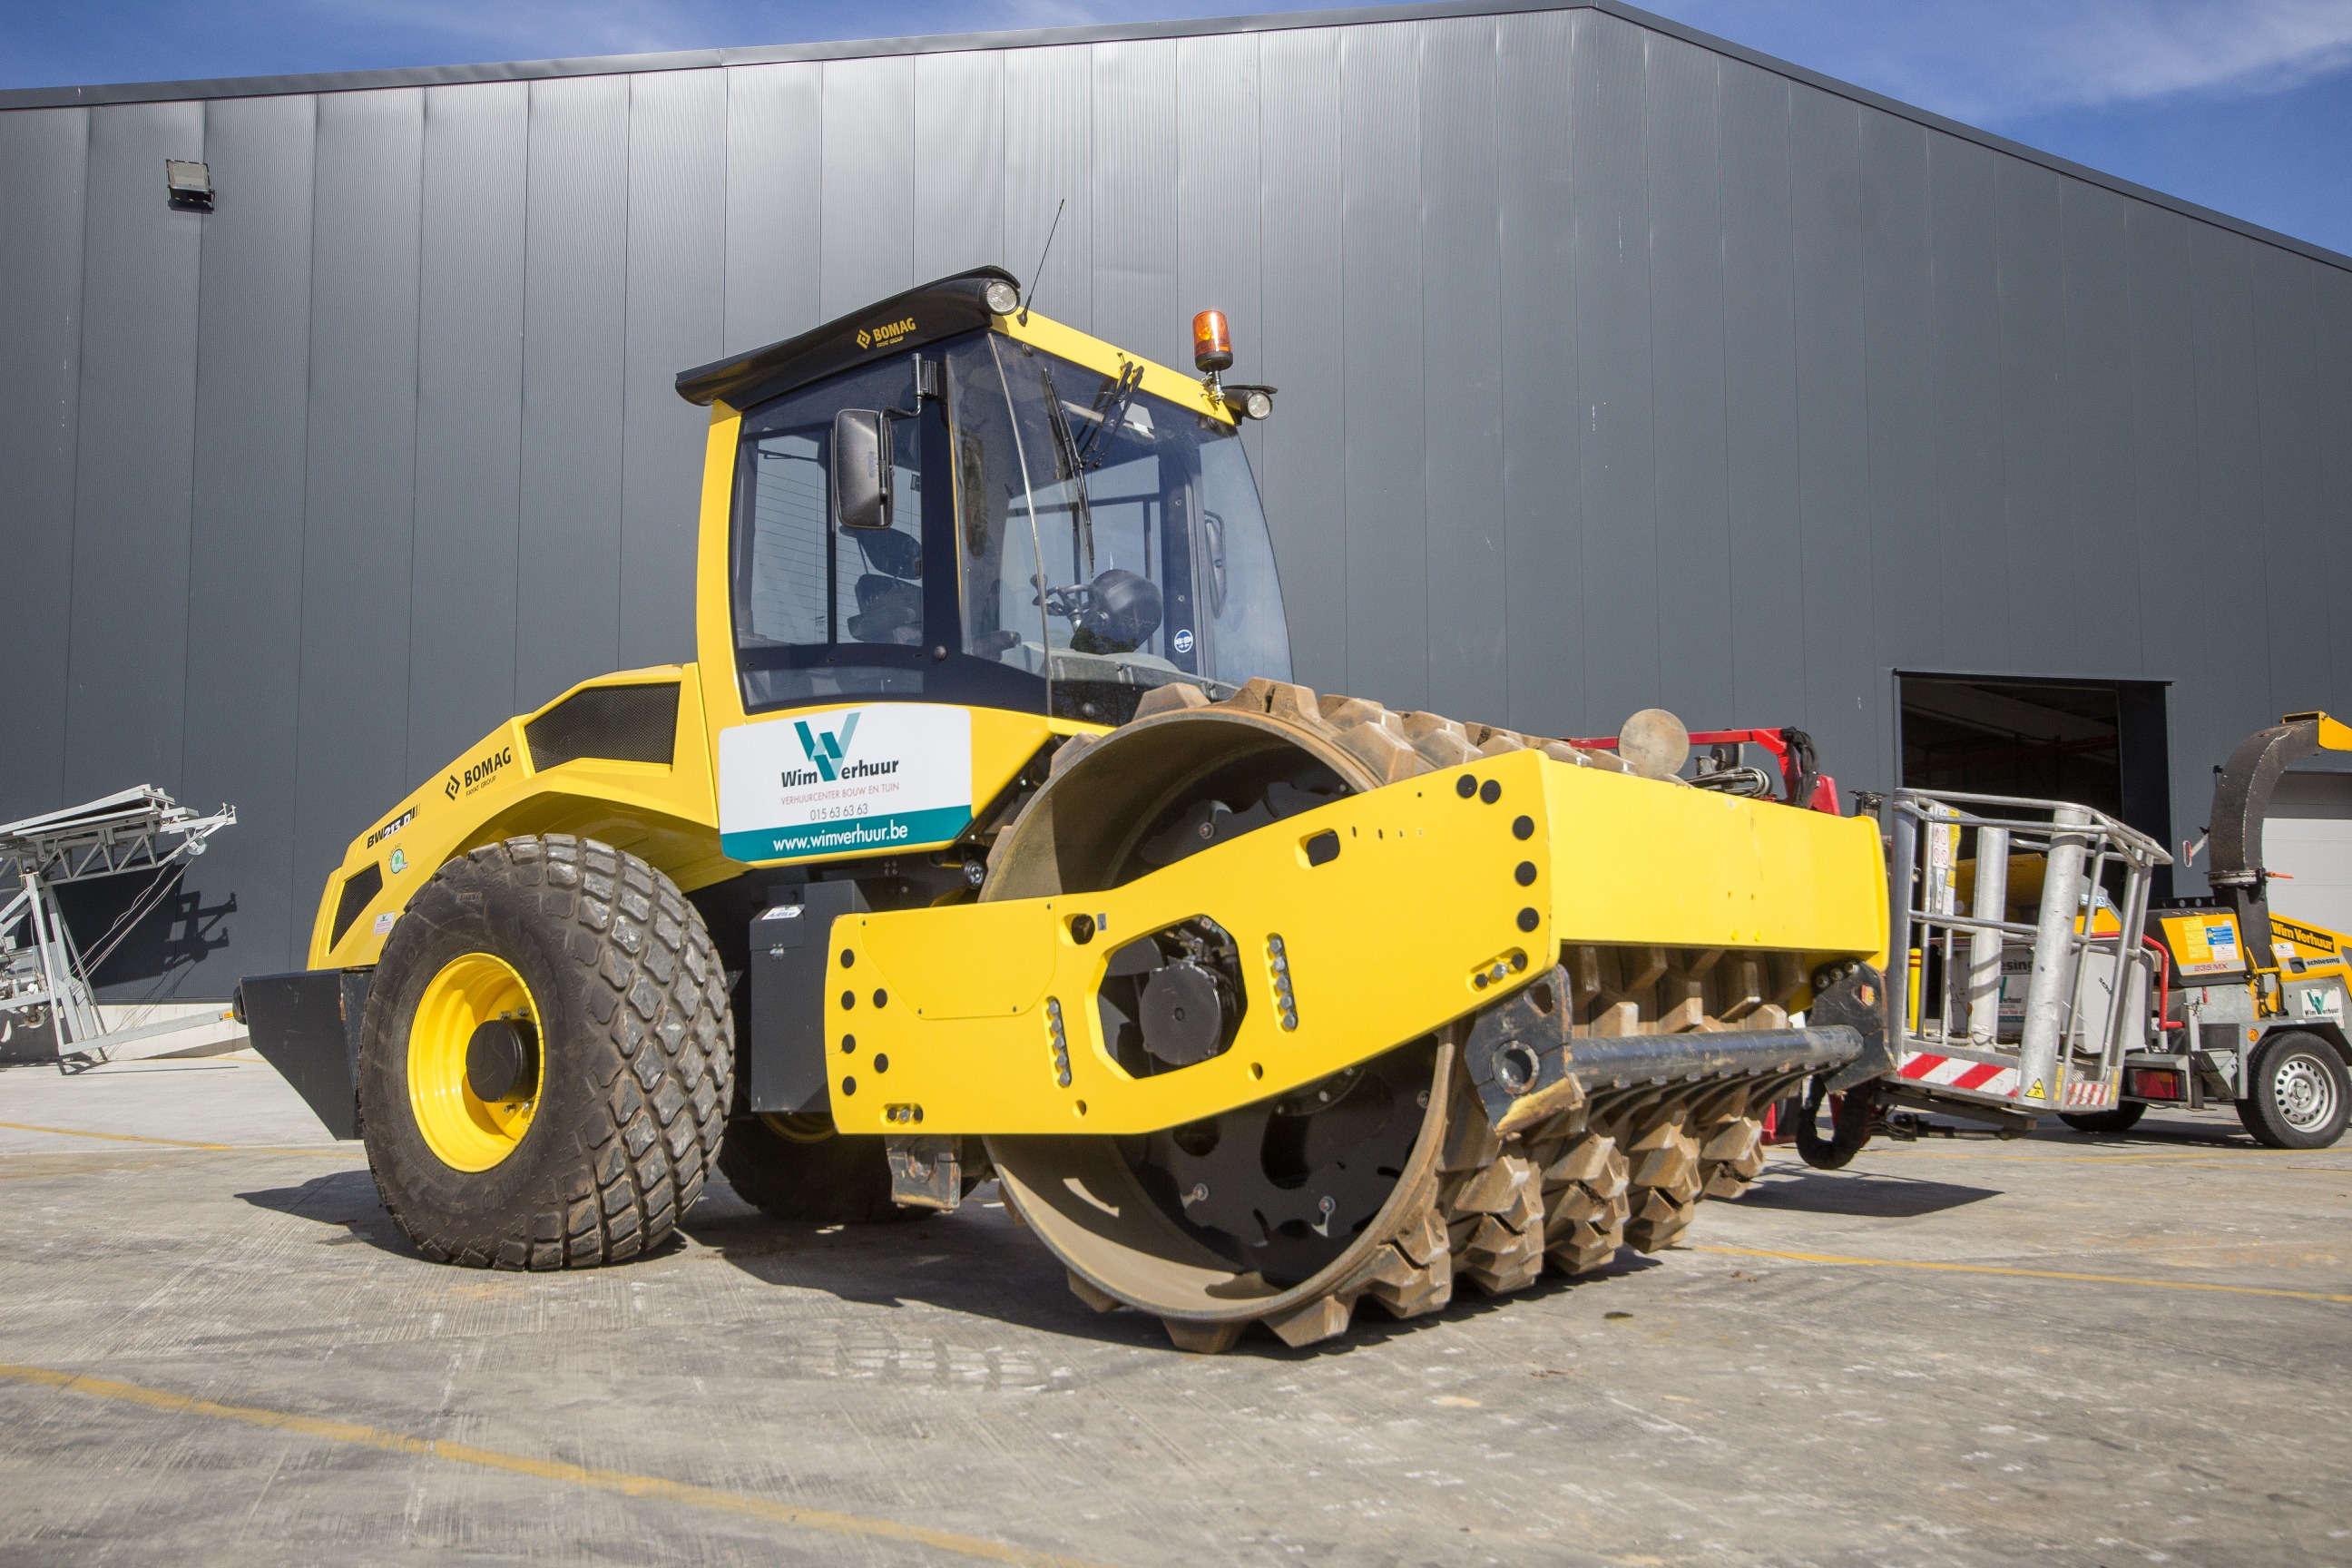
(2203,942)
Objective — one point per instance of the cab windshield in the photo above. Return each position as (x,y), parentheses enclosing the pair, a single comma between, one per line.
(1111,540)
(1104,540)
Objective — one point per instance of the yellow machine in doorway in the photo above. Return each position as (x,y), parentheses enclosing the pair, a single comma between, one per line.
(988,834)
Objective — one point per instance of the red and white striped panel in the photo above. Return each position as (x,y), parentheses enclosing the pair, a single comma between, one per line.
(2094,1093)
(1932,1071)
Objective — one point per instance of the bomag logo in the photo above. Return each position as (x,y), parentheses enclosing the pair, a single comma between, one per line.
(885,335)
(474,774)
(827,752)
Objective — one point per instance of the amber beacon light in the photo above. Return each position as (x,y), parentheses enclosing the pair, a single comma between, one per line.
(1212,342)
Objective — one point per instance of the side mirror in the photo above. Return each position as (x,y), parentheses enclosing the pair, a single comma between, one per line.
(861,468)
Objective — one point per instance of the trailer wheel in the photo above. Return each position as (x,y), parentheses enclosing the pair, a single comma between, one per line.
(800,1170)
(2297,1093)
(546,1058)
(2123,1118)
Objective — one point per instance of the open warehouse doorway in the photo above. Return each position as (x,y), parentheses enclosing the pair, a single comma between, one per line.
(2101,742)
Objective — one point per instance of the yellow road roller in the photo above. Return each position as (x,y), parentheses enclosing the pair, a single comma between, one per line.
(988,837)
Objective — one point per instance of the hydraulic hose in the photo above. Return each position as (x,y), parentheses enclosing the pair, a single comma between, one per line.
(1850,1128)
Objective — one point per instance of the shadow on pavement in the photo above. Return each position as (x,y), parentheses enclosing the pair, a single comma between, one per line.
(1864,1193)
(978,1261)
(343,1198)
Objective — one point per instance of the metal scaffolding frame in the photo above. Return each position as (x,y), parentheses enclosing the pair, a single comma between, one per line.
(138,829)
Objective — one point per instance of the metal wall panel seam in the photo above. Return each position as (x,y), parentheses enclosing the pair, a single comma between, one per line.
(1620,591)
(1465,649)
(1386,504)
(2032,334)
(1302,343)
(415,444)
(357,676)
(135,454)
(2167,469)
(1900,389)
(674,304)
(2099,356)
(2300,628)
(1692,554)
(243,691)
(471,281)
(1832,388)
(621,532)
(66,462)
(1542,441)
(298,937)
(574,366)
(1963,211)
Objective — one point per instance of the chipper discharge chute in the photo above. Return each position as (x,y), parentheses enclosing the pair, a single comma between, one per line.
(988,835)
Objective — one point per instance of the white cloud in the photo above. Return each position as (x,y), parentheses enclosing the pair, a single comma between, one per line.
(1988,60)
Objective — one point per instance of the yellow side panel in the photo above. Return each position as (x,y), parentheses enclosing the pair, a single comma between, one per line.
(1000,964)
(714,626)
(667,813)
(951,1010)
(1636,861)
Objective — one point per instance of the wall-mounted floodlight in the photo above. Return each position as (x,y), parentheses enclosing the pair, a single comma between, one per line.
(190,184)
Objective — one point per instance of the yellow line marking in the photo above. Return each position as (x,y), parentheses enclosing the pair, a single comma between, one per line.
(620,1481)
(178,1142)
(2024,1273)
(2219,1154)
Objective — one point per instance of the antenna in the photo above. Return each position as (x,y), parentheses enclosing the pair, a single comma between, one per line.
(1041,258)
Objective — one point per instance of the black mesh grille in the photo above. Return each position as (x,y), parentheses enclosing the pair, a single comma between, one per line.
(614,724)
(358,893)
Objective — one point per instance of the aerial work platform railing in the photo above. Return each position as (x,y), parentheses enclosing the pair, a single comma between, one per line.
(2016,1017)
(140,830)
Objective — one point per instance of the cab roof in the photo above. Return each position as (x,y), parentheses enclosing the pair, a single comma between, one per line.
(924,314)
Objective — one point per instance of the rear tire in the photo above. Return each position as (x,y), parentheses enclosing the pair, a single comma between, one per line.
(2298,1096)
(629,1064)
(2122,1118)
(799,1169)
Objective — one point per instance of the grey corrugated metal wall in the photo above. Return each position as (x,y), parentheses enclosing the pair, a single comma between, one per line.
(1616,370)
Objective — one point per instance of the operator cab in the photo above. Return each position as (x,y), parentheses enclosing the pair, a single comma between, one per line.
(941,501)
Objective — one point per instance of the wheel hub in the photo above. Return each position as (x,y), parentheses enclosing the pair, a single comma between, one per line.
(2305,1094)
(473,1061)
(503,1061)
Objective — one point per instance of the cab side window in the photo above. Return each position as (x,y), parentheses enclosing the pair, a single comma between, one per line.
(807,591)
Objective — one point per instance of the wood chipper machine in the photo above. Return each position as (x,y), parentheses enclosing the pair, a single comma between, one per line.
(988,836)
(2042,981)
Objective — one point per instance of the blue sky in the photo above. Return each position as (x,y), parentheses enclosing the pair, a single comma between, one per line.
(2242,105)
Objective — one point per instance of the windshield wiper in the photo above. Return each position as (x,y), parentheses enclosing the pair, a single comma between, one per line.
(1110,410)
(1066,451)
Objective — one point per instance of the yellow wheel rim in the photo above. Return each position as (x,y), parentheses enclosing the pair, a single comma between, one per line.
(468,1133)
